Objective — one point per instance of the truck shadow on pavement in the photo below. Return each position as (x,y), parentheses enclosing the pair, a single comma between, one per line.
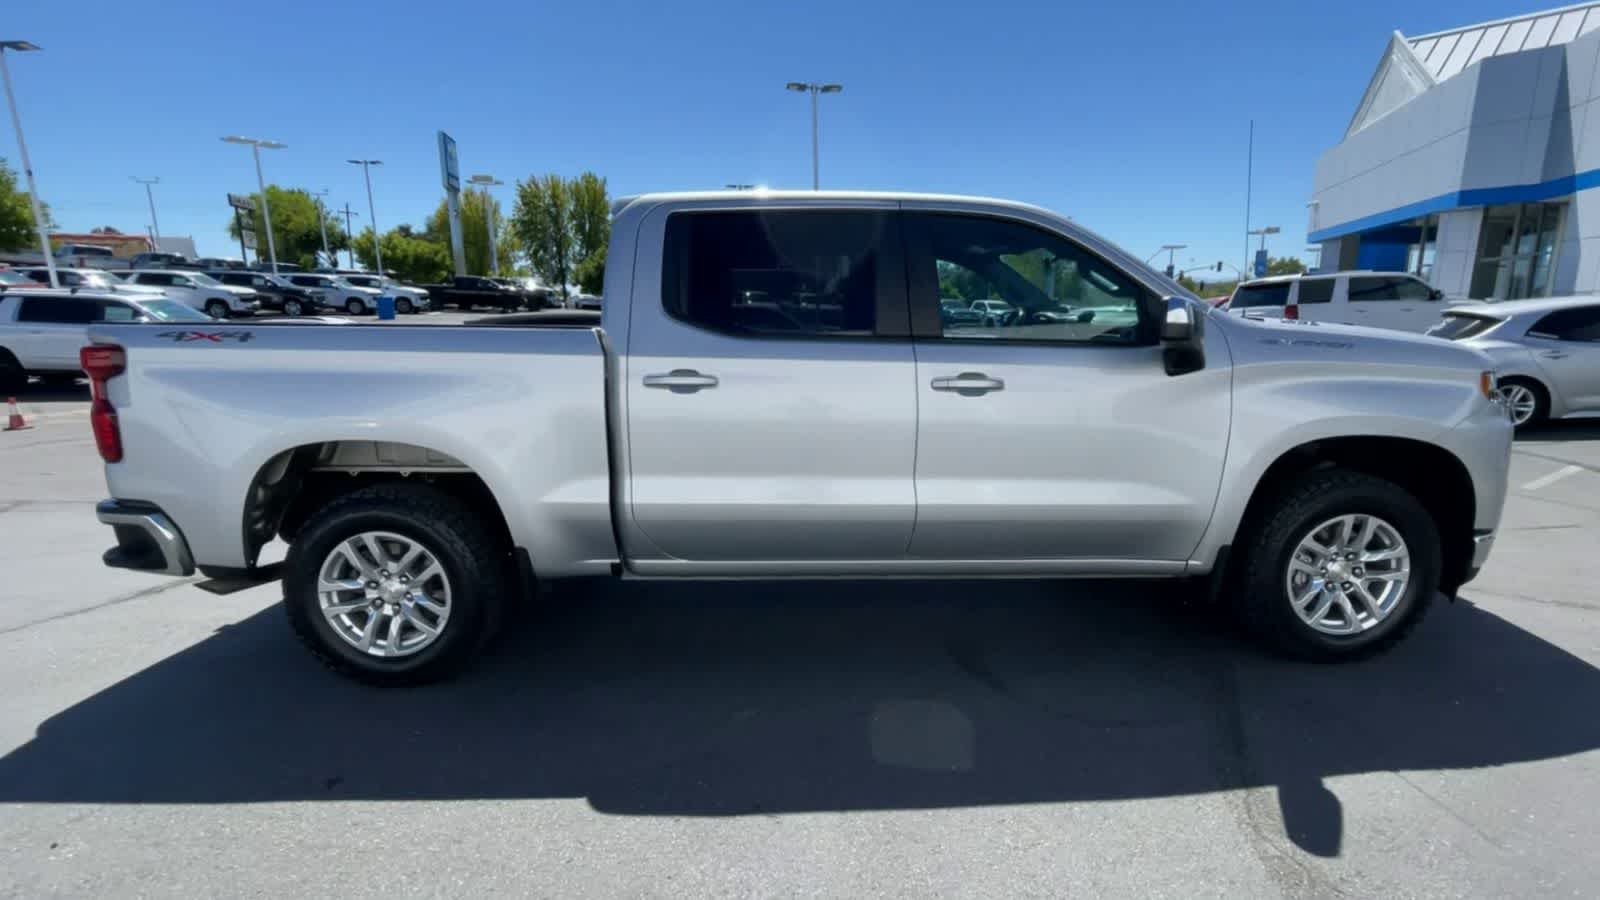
(728,700)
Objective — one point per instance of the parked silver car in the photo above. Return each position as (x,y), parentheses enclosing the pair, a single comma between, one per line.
(1547,352)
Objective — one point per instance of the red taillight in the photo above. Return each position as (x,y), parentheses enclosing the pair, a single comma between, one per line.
(1291,311)
(101,362)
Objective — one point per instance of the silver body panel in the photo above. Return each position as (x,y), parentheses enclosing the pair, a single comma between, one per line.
(1569,370)
(807,458)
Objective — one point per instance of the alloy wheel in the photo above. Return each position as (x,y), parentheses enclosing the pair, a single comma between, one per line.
(384,594)
(1521,401)
(1348,574)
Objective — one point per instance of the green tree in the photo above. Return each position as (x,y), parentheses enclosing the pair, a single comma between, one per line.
(476,207)
(295,232)
(590,273)
(1284,265)
(16,213)
(542,221)
(591,230)
(406,255)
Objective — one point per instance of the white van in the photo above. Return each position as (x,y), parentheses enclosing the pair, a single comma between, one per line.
(1393,300)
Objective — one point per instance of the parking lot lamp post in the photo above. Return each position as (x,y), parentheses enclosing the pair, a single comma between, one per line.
(255,145)
(814,89)
(22,150)
(486,182)
(322,223)
(372,213)
(155,226)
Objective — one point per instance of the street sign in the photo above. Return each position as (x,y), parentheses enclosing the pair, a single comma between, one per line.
(449,166)
(242,202)
(247,238)
(1261,264)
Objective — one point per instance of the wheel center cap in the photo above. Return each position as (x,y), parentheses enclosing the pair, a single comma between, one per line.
(1338,570)
(394,591)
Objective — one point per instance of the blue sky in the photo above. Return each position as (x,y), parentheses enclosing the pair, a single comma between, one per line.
(1129,117)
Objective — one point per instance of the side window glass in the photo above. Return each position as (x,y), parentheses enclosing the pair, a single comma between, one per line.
(1365,290)
(788,273)
(116,312)
(1003,280)
(1581,324)
(1411,289)
(56,310)
(1316,290)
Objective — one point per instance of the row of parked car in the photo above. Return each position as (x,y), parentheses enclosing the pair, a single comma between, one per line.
(1546,350)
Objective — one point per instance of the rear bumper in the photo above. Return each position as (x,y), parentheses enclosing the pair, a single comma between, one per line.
(147,541)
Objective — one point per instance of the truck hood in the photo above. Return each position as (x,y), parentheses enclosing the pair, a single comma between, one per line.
(1358,343)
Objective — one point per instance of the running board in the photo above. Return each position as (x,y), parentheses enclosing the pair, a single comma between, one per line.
(224,581)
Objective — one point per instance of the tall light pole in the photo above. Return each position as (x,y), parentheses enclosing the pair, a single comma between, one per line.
(22,149)
(155,226)
(255,145)
(814,89)
(372,213)
(486,182)
(322,222)
(351,235)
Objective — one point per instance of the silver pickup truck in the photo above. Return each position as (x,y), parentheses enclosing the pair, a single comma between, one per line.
(774,391)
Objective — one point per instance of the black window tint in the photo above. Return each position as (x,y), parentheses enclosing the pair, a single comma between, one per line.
(58,310)
(781,273)
(1461,326)
(1368,289)
(1024,283)
(1316,290)
(40,275)
(156,278)
(1274,294)
(1580,324)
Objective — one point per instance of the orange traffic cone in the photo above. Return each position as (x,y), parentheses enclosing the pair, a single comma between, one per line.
(15,422)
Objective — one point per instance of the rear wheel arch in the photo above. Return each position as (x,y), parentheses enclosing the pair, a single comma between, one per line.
(294,484)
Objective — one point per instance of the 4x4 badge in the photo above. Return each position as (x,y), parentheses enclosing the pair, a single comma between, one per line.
(215,337)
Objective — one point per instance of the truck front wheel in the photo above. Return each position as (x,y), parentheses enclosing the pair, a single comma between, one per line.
(395,584)
(1341,565)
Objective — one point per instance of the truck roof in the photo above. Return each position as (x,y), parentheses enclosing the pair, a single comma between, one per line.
(820,197)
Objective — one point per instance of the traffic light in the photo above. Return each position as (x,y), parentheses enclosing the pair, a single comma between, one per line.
(1169,270)
(1219,265)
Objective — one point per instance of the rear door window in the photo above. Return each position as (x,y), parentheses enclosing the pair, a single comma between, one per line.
(112,311)
(1580,324)
(1461,326)
(1252,295)
(777,273)
(1316,290)
(1369,288)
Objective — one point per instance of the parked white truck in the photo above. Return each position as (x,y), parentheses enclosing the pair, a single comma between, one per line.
(771,392)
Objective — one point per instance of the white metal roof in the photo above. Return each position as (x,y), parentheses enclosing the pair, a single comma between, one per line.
(1446,53)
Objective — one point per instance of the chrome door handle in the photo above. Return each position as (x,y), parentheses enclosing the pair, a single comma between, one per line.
(968,384)
(681,381)
(1554,354)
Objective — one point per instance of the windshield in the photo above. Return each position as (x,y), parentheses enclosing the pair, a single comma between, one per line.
(1460,326)
(1272,294)
(172,311)
(203,279)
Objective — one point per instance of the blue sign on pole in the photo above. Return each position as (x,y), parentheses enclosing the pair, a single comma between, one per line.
(1261,263)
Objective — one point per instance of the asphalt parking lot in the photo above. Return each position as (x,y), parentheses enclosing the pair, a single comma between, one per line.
(976,739)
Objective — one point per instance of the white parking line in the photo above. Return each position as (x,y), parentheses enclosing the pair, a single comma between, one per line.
(1552,478)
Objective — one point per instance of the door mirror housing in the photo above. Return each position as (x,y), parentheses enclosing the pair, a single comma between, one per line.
(1182,338)
(1435,294)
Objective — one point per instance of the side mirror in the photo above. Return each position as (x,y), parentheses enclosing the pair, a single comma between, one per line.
(1182,338)
(1436,294)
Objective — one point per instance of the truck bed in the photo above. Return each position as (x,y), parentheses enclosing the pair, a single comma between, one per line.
(204,410)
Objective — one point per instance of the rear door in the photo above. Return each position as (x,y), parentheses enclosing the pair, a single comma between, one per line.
(1054,437)
(1400,302)
(52,330)
(1566,344)
(771,412)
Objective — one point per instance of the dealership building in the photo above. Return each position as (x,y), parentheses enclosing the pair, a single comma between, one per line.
(1473,160)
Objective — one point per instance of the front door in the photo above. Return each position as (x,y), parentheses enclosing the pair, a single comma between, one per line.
(1566,344)
(1057,434)
(53,330)
(771,410)
(1398,302)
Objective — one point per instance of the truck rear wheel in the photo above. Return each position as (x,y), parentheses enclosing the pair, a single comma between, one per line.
(1341,565)
(395,584)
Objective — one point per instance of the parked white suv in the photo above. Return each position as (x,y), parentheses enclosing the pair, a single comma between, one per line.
(41,330)
(93,279)
(407,299)
(335,292)
(1379,299)
(200,291)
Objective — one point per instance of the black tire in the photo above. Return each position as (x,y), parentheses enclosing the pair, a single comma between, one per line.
(1260,582)
(13,377)
(355,306)
(476,561)
(402,305)
(216,309)
(1541,400)
(292,307)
